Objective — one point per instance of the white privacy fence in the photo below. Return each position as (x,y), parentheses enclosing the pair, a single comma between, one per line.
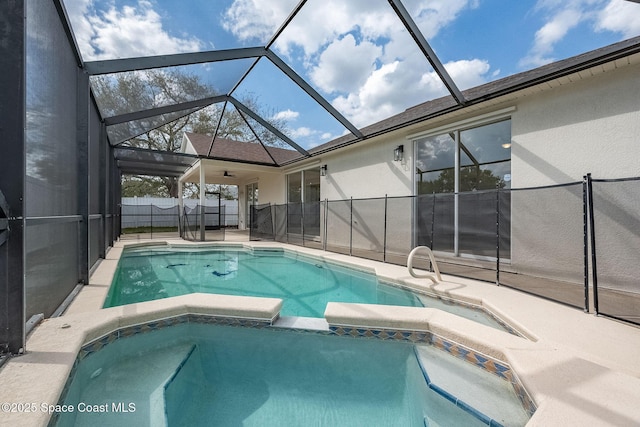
(158,212)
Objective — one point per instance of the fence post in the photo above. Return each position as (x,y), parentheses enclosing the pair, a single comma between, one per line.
(585,235)
(274,220)
(498,236)
(326,222)
(151,208)
(433,219)
(594,270)
(351,227)
(272,211)
(384,245)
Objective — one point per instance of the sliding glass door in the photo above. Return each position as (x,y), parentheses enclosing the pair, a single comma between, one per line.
(303,202)
(252,199)
(457,175)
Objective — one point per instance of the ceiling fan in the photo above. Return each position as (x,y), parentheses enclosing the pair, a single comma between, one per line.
(228,174)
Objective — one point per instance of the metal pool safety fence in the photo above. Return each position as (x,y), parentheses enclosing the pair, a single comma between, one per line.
(203,223)
(163,220)
(575,243)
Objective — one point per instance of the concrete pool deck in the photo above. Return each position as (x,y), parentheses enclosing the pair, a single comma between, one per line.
(579,369)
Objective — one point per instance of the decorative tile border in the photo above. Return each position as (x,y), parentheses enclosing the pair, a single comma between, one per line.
(383,334)
(128,331)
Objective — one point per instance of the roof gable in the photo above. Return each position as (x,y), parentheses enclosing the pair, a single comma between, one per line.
(237,151)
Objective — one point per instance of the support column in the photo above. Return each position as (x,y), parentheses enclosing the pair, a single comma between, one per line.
(12,175)
(82,139)
(117,175)
(103,185)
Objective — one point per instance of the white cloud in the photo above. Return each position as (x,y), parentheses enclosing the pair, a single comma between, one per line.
(550,34)
(76,10)
(620,16)
(286,115)
(320,23)
(399,85)
(468,73)
(360,53)
(126,32)
(350,49)
(433,15)
(303,132)
(256,20)
(345,65)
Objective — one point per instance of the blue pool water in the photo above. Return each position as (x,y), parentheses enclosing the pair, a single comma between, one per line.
(213,375)
(305,286)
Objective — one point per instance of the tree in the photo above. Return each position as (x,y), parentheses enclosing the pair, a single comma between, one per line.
(142,90)
(136,185)
(471,178)
(225,192)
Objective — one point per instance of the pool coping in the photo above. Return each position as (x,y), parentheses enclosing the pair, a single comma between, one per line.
(568,385)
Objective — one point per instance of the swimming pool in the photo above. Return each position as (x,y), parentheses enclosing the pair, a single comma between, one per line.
(201,374)
(305,285)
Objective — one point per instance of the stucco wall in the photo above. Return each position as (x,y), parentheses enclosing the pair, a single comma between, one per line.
(558,136)
(271,189)
(589,126)
(368,170)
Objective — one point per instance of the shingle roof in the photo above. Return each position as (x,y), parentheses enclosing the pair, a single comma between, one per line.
(249,152)
(226,149)
(489,91)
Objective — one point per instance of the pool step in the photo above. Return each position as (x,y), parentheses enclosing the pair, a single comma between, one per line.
(146,375)
(306,323)
(482,391)
(184,391)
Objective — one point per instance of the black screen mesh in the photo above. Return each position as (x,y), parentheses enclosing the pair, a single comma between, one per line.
(616,213)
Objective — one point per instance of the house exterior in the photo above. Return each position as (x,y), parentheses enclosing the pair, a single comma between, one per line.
(545,127)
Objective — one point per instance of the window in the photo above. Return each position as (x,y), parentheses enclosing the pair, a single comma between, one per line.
(485,157)
(456,173)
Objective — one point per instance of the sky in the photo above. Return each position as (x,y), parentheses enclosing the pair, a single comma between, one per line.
(355,53)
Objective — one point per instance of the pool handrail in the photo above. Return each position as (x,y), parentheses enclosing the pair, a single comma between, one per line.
(430,276)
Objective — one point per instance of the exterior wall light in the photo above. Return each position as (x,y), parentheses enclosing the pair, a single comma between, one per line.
(398,153)
(323,170)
